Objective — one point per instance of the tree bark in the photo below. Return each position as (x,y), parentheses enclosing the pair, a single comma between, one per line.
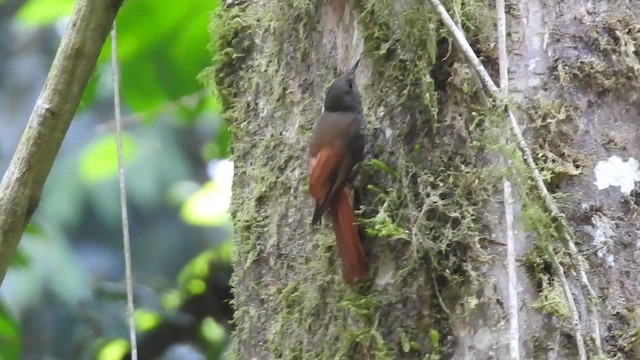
(430,194)
(52,114)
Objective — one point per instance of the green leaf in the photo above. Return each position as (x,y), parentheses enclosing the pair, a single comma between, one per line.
(224,251)
(9,336)
(171,300)
(114,350)
(196,286)
(207,206)
(44,12)
(434,338)
(160,61)
(33,229)
(199,267)
(146,320)
(100,160)
(212,331)
(18,260)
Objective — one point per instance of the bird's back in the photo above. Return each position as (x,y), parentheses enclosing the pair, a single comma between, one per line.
(335,129)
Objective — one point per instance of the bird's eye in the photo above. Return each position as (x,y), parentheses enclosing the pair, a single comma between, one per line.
(350,84)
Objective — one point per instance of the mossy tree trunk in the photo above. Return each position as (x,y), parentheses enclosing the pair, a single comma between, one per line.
(430,197)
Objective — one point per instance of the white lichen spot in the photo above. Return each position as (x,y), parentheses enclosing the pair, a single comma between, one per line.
(386,271)
(482,339)
(602,232)
(615,172)
(263,108)
(388,133)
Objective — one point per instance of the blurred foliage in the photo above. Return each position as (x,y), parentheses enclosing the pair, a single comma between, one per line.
(44,12)
(146,320)
(115,349)
(100,159)
(199,267)
(192,282)
(18,260)
(162,46)
(207,206)
(9,335)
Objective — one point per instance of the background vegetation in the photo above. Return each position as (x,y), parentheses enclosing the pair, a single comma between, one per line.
(63,296)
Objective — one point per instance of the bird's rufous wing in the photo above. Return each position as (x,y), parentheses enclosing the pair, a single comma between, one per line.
(323,168)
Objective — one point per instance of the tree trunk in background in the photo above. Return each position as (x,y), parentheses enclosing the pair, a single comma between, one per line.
(431,200)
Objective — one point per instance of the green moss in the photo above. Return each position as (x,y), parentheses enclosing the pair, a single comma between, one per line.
(612,61)
(552,301)
(631,341)
(624,334)
(553,123)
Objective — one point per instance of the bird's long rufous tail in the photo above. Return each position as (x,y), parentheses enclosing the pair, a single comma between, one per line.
(354,259)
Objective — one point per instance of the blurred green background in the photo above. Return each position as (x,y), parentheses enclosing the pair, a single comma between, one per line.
(64,296)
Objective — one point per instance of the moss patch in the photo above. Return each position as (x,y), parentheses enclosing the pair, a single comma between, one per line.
(608,59)
(553,123)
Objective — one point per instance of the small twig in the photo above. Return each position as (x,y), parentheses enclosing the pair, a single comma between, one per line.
(582,353)
(115,73)
(503,59)
(187,100)
(592,301)
(440,301)
(490,86)
(514,327)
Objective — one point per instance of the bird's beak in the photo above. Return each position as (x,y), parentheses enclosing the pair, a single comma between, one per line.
(352,72)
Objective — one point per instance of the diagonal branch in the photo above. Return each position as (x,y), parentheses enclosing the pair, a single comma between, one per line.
(52,114)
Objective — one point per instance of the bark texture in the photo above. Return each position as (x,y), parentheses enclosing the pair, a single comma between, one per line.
(430,190)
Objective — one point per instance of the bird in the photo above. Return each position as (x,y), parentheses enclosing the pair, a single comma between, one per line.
(336,147)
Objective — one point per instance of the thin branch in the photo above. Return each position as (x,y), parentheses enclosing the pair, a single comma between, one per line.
(440,301)
(557,267)
(190,100)
(512,278)
(115,77)
(503,59)
(550,203)
(72,66)
(514,327)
